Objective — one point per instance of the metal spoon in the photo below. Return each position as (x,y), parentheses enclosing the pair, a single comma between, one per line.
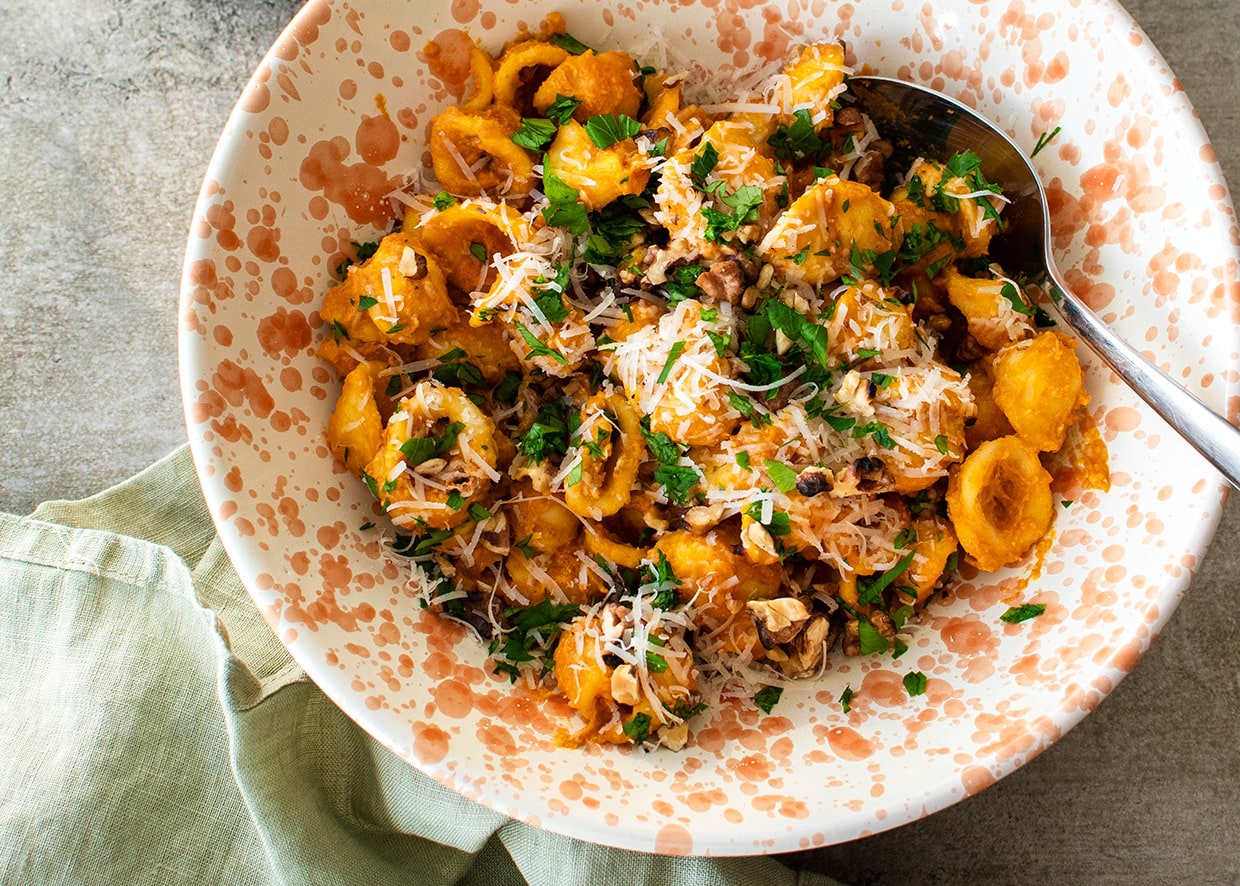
(922,122)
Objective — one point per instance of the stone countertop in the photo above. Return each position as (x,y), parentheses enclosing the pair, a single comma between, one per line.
(109,111)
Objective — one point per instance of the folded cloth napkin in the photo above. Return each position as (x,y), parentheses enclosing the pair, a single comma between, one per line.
(153,730)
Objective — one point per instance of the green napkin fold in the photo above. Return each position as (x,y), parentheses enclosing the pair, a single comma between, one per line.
(153,730)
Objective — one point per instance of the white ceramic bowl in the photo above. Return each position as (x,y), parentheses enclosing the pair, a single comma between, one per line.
(336,116)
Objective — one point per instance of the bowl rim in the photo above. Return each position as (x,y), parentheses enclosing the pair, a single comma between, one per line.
(942,794)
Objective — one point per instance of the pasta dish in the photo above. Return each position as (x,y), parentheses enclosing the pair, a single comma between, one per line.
(672,399)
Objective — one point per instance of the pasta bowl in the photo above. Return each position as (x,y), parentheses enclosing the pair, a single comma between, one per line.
(334,124)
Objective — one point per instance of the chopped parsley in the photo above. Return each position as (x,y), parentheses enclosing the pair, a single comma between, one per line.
(846,699)
(508,388)
(797,140)
(607,129)
(682,284)
(661,446)
(563,209)
(568,43)
(719,340)
(784,477)
(1015,299)
(915,683)
(1024,612)
(704,162)
(537,347)
(877,430)
(870,587)
(548,435)
(674,354)
(549,295)
(421,544)
(530,624)
(1045,139)
(767,697)
(443,200)
(869,638)
(780,523)
(419,449)
(744,204)
(638,728)
(561,110)
(362,252)
(535,133)
(677,481)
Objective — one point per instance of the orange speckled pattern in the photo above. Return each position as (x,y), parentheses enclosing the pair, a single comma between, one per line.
(336,117)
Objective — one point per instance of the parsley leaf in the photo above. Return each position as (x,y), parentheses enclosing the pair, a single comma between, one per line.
(767,697)
(661,446)
(607,129)
(443,200)
(419,449)
(568,43)
(419,545)
(550,298)
(537,347)
(915,683)
(548,435)
(811,336)
(673,354)
(563,210)
(797,140)
(784,477)
(870,587)
(363,251)
(780,523)
(871,641)
(1017,614)
(532,622)
(561,110)
(508,388)
(1019,305)
(703,162)
(677,481)
(1045,139)
(719,340)
(682,284)
(535,133)
(638,729)
(744,204)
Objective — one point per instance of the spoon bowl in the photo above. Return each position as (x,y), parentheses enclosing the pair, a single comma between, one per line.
(920,122)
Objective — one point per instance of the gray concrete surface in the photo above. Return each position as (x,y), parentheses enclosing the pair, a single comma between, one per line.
(109,110)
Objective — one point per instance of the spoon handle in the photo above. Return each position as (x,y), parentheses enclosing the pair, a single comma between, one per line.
(1208,432)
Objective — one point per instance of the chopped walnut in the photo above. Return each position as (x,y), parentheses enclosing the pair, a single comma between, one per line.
(854,394)
(778,621)
(703,517)
(624,688)
(723,281)
(865,476)
(412,265)
(809,648)
(814,480)
(869,170)
(758,544)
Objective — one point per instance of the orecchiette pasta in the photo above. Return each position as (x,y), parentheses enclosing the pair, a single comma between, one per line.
(669,397)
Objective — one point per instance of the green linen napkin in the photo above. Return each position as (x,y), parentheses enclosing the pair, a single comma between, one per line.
(153,730)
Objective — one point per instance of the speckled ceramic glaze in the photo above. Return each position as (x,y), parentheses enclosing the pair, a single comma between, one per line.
(337,116)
